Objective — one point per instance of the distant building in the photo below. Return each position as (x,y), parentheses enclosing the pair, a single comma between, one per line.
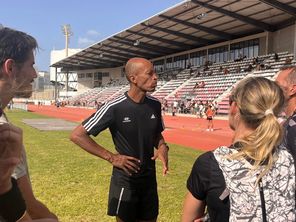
(42,81)
(57,55)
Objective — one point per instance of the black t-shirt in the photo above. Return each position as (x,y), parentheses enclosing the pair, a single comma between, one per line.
(206,182)
(134,128)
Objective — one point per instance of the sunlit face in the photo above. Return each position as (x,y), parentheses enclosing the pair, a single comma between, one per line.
(24,77)
(231,119)
(281,80)
(146,78)
(233,113)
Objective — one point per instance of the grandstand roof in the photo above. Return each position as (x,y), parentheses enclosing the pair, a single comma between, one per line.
(187,25)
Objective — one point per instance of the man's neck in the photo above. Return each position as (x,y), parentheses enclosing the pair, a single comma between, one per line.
(291,107)
(5,96)
(136,95)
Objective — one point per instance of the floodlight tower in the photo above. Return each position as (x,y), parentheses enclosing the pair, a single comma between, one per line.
(66,29)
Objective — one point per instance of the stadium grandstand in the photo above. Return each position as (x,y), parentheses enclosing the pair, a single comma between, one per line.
(200,50)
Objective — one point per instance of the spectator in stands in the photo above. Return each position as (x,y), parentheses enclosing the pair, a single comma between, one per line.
(190,71)
(10,105)
(188,107)
(286,79)
(276,57)
(194,107)
(199,85)
(201,109)
(135,122)
(96,104)
(17,73)
(288,61)
(202,84)
(182,107)
(259,67)
(250,68)
(175,107)
(221,69)
(196,85)
(164,105)
(58,103)
(216,107)
(267,66)
(255,61)
(253,170)
(189,65)
(226,71)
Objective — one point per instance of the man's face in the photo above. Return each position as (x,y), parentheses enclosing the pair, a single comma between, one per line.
(24,77)
(146,78)
(232,113)
(281,80)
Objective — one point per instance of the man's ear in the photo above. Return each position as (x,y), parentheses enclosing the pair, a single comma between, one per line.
(293,90)
(8,66)
(132,78)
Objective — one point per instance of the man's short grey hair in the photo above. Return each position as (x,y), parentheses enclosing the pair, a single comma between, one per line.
(291,78)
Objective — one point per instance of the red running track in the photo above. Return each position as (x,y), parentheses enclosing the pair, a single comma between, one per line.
(186,131)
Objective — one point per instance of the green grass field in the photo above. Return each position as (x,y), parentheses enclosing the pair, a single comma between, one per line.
(75,185)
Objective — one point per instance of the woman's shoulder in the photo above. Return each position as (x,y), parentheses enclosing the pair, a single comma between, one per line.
(205,161)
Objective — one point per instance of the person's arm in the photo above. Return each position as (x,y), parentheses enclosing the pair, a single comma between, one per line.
(291,140)
(197,184)
(80,137)
(35,208)
(193,209)
(12,204)
(11,138)
(162,153)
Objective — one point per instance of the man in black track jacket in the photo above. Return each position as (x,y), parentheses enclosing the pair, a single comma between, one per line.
(135,122)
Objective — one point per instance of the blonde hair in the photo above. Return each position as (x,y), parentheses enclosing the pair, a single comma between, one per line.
(259,101)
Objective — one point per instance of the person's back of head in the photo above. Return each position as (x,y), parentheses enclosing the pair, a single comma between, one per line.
(259,101)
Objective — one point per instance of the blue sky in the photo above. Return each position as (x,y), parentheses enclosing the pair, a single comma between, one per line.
(90,20)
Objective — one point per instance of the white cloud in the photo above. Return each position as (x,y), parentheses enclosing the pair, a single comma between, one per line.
(90,38)
(93,33)
(84,42)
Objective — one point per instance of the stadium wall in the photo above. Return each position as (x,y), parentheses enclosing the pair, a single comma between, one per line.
(284,39)
(88,79)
